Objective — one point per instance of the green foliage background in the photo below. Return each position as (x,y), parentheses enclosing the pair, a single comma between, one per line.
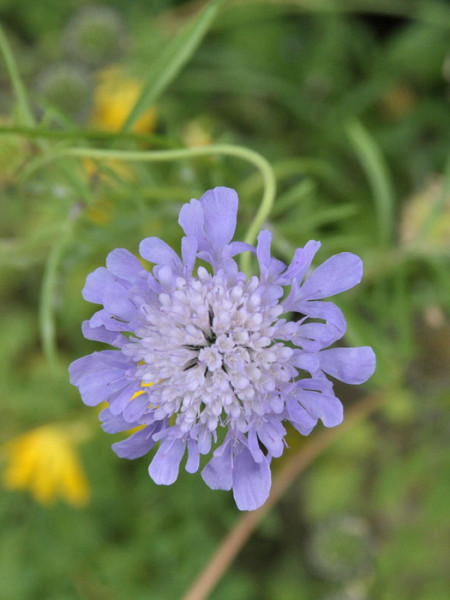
(349,102)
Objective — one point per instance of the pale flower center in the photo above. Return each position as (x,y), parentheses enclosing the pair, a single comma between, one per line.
(210,346)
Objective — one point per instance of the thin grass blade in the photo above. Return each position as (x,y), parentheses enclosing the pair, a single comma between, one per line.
(172,60)
(377,173)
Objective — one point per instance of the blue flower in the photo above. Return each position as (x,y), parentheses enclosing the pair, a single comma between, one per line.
(217,349)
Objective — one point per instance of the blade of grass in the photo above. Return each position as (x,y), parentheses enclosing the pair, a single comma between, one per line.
(88,134)
(23,106)
(375,168)
(294,197)
(48,286)
(172,60)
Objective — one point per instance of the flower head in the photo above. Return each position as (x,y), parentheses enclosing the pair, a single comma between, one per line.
(228,368)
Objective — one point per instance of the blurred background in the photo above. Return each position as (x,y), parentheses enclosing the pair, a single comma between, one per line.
(349,101)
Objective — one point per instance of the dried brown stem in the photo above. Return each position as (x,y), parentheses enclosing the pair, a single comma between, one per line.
(247,523)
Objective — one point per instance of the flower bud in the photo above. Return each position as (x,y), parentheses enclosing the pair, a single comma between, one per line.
(67,88)
(95,36)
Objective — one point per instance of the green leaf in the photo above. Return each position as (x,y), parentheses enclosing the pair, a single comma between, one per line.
(172,60)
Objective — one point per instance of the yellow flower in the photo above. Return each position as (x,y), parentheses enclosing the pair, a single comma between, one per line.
(114,98)
(45,461)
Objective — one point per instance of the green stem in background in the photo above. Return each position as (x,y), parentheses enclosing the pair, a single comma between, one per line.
(87,134)
(48,287)
(25,113)
(250,156)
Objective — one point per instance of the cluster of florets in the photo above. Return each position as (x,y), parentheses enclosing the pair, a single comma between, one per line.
(201,352)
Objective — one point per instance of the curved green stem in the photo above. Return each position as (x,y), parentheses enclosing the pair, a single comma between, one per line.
(250,156)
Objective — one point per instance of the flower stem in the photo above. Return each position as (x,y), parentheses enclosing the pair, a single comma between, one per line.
(248,522)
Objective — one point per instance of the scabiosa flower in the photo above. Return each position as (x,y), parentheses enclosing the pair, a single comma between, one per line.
(227,367)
